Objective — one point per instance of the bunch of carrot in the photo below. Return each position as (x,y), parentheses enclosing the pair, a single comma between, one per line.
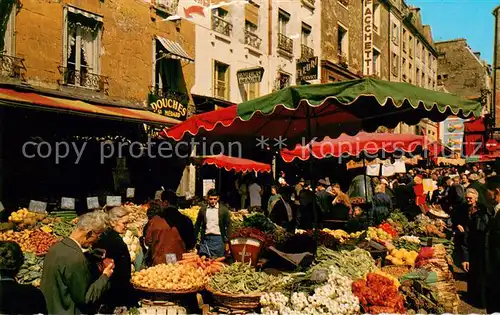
(209,266)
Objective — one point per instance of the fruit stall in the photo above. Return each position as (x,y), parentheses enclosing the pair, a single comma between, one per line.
(395,267)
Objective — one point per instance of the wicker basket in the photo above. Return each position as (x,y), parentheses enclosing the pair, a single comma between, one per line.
(236,301)
(150,290)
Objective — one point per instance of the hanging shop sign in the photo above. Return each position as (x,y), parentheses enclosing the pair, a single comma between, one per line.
(67,203)
(38,206)
(367,37)
(113,201)
(92,203)
(307,69)
(130,192)
(171,106)
(248,76)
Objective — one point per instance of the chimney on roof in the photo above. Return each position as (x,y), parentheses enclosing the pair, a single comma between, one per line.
(478,54)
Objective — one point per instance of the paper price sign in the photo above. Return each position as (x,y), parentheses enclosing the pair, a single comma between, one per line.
(38,206)
(67,203)
(114,201)
(93,203)
(170,258)
(1,207)
(158,194)
(130,192)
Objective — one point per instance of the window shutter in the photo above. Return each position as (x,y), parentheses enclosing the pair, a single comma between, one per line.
(252,14)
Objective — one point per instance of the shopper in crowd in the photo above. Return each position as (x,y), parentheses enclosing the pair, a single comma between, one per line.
(161,238)
(298,189)
(464,180)
(493,249)
(470,223)
(381,206)
(176,219)
(305,216)
(121,291)
(17,298)
(455,194)
(273,199)
(481,188)
(66,280)
(323,198)
(255,192)
(213,222)
(341,204)
(242,188)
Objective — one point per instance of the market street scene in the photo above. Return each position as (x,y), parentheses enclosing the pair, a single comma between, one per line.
(272,157)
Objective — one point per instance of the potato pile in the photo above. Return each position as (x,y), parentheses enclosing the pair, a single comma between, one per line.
(25,218)
(171,277)
(22,238)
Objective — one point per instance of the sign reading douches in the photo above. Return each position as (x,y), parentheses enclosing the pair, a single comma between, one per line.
(248,76)
(368,37)
(168,106)
(307,69)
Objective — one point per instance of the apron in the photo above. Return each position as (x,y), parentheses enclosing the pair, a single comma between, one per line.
(212,246)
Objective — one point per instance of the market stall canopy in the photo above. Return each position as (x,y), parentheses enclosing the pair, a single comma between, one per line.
(327,110)
(174,50)
(366,144)
(10,97)
(230,163)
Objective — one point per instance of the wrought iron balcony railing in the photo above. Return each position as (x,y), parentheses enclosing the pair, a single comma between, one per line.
(221,26)
(11,67)
(306,51)
(251,39)
(83,79)
(285,43)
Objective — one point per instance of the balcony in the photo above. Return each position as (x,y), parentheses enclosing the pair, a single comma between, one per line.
(221,26)
(251,39)
(11,67)
(285,43)
(83,79)
(306,51)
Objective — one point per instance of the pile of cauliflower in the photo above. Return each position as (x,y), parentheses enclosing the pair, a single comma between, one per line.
(334,297)
(133,245)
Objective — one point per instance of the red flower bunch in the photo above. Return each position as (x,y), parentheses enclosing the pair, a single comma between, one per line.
(378,294)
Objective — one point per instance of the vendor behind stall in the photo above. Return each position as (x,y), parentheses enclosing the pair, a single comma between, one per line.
(214,224)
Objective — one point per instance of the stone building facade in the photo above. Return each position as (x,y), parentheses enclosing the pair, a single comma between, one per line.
(117,40)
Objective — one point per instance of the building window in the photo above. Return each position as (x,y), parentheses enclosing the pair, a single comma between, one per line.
(283,81)
(418,48)
(252,25)
(221,80)
(395,34)
(283,20)
(376,18)
(403,69)
(429,58)
(7,45)
(424,56)
(410,73)
(220,22)
(342,44)
(410,47)
(417,77)
(252,91)
(82,53)
(422,82)
(395,64)
(404,40)
(306,44)
(284,42)
(376,62)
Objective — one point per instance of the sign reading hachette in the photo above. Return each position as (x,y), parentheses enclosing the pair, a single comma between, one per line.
(368,37)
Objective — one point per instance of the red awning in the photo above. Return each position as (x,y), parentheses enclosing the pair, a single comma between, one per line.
(230,163)
(368,143)
(10,97)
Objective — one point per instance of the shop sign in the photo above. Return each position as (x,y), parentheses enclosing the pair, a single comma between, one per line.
(2,208)
(38,206)
(248,76)
(67,203)
(307,69)
(171,106)
(170,258)
(113,201)
(92,203)
(368,37)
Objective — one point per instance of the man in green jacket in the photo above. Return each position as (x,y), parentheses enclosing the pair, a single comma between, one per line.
(214,222)
(67,281)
